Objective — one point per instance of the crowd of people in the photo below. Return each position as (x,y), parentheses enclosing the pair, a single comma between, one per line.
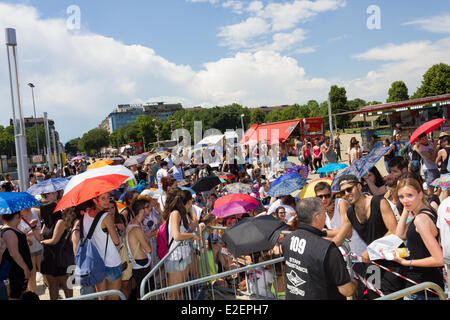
(126,222)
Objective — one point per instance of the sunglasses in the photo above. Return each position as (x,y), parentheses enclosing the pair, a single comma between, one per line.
(347,190)
(324,196)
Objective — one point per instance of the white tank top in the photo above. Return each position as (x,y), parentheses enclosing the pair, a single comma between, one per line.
(130,253)
(112,258)
(183,250)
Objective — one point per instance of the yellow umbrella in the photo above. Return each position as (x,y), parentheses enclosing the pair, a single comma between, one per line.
(101,163)
(308,190)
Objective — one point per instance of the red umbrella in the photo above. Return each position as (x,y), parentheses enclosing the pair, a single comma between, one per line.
(92,183)
(234,197)
(233,208)
(426,128)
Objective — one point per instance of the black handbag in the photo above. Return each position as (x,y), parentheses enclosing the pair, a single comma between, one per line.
(65,257)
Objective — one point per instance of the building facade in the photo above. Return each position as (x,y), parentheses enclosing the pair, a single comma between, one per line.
(128,113)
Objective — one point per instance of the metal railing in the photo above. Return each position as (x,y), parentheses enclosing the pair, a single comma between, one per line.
(414,289)
(201,279)
(95,296)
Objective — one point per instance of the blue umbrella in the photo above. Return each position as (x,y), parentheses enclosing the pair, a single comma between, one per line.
(48,186)
(11,202)
(286,187)
(332,167)
(285,177)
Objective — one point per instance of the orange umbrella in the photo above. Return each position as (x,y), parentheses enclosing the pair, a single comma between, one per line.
(101,163)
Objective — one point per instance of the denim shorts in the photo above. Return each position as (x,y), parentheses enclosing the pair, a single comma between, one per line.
(177,265)
(113,273)
(37,253)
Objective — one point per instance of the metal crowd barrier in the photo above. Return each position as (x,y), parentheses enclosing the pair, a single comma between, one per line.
(95,296)
(201,280)
(414,289)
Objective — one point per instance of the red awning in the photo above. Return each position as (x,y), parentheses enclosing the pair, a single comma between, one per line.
(270,132)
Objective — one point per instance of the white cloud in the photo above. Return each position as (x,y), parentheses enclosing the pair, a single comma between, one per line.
(407,62)
(240,35)
(236,5)
(275,21)
(437,24)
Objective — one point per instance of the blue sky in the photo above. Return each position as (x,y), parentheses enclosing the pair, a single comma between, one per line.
(216,52)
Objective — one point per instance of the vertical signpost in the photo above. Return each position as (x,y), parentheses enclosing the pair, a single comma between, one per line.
(47,140)
(19,125)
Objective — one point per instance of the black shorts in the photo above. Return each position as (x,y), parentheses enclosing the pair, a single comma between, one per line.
(17,284)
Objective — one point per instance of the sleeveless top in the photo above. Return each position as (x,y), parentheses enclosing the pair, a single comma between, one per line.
(183,250)
(374,228)
(357,245)
(100,239)
(317,154)
(418,250)
(23,250)
(306,152)
(444,165)
(136,266)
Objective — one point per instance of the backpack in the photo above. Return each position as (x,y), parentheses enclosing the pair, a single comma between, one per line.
(162,236)
(89,265)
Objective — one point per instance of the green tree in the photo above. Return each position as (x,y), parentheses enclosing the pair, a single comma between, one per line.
(272,116)
(398,92)
(257,116)
(94,140)
(436,81)
(71,146)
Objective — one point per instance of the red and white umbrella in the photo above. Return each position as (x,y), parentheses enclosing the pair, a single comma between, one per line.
(92,183)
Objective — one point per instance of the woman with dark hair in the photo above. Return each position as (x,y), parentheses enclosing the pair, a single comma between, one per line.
(129,198)
(374,182)
(17,254)
(61,239)
(179,217)
(138,244)
(166,183)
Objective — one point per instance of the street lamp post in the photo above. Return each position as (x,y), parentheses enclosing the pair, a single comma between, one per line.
(242,122)
(19,125)
(35,119)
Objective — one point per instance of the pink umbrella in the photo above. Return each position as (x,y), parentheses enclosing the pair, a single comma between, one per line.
(233,208)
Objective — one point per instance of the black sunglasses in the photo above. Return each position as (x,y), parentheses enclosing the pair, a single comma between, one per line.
(347,190)
(326,196)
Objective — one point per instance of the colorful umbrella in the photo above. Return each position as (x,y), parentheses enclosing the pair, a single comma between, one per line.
(361,166)
(308,190)
(286,187)
(238,187)
(296,168)
(234,197)
(76,158)
(442,182)
(225,175)
(233,208)
(48,186)
(285,177)
(92,183)
(332,167)
(101,163)
(426,128)
(11,202)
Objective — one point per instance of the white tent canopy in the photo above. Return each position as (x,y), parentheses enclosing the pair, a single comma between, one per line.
(215,139)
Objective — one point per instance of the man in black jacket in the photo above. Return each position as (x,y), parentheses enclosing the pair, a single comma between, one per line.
(315,268)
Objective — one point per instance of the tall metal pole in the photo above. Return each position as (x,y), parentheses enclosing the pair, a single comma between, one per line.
(19,126)
(55,148)
(35,119)
(330,119)
(47,140)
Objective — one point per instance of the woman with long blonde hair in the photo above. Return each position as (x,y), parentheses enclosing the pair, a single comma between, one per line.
(417,225)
